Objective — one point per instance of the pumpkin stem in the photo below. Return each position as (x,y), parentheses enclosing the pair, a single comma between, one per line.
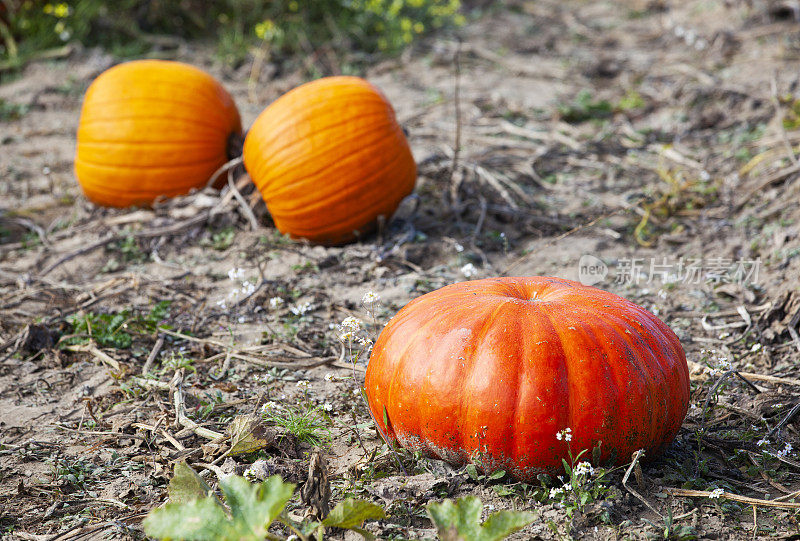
(235,145)
(225,167)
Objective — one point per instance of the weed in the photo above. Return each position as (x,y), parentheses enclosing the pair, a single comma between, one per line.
(194,512)
(124,251)
(114,330)
(11,111)
(305,421)
(584,107)
(221,240)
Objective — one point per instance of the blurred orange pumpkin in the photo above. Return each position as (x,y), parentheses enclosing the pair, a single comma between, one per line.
(151,128)
(329,158)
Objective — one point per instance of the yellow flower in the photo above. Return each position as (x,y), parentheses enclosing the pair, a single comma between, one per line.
(61,10)
(265,29)
(419,27)
(48,8)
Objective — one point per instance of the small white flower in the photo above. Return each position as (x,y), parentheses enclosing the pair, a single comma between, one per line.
(351,322)
(459,248)
(364,341)
(785,451)
(568,437)
(724,335)
(762,442)
(469,270)
(235,274)
(242,319)
(756,347)
(275,303)
(357,392)
(716,493)
(329,377)
(269,407)
(301,309)
(327,406)
(583,468)
(248,288)
(559,436)
(556,492)
(222,304)
(347,336)
(303,383)
(370,297)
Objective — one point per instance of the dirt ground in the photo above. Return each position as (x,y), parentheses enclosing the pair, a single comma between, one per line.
(646,146)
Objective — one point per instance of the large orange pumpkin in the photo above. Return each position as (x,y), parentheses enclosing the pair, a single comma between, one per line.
(152,128)
(489,371)
(329,158)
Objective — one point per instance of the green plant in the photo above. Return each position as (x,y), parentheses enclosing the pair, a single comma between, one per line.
(11,111)
(584,484)
(114,330)
(248,511)
(305,421)
(283,27)
(461,521)
(221,240)
(584,107)
(671,531)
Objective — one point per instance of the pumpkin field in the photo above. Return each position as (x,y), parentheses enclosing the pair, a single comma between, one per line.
(384,269)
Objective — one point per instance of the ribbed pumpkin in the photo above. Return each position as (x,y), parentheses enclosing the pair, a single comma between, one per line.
(490,371)
(329,158)
(151,128)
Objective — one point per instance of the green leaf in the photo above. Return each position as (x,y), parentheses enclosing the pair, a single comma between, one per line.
(351,514)
(472,471)
(186,485)
(197,519)
(566,467)
(248,434)
(499,474)
(461,521)
(256,506)
(252,509)
(503,523)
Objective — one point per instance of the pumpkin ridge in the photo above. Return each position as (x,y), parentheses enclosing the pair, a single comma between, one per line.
(197,87)
(395,381)
(209,112)
(633,369)
(161,118)
(466,393)
(171,166)
(659,410)
(291,148)
(383,195)
(158,144)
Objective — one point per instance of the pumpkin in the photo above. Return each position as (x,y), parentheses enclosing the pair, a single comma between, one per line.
(490,371)
(329,159)
(152,128)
